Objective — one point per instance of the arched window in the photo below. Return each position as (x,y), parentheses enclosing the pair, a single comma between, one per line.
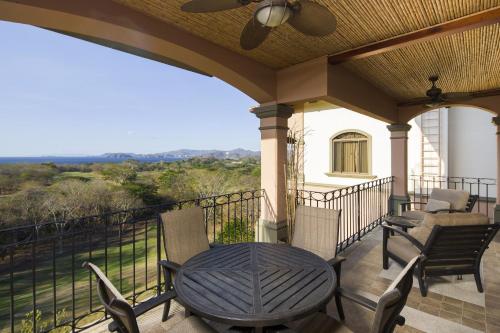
(351,153)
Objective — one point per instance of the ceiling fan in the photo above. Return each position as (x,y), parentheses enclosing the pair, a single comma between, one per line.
(306,16)
(436,97)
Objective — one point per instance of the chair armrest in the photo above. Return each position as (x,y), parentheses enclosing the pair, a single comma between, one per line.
(406,235)
(367,303)
(400,222)
(407,205)
(356,298)
(154,302)
(336,262)
(449,210)
(169,265)
(146,306)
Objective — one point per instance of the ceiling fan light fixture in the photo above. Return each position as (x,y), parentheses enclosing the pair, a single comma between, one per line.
(272,13)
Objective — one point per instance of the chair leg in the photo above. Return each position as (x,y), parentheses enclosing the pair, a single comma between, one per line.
(421,281)
(166,310)
(385,255)
(340,309)
(338,301)
(479,284)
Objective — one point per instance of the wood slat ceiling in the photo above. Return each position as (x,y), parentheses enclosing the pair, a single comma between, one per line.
(467,61)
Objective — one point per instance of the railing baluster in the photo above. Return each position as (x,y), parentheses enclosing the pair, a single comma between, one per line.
(11,285)
(33,277)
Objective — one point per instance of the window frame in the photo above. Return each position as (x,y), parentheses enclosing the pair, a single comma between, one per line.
(332,172)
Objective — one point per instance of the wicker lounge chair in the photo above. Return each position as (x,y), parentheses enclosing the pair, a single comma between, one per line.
(453,244)
(387,310)
(125,317)
(317,230)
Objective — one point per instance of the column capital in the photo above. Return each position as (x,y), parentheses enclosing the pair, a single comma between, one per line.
(274,110)
(401,127)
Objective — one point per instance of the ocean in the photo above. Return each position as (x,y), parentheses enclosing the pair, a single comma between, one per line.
(75,160)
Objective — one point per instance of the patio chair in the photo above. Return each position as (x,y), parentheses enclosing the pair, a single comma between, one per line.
(453,244)
(184,237)
(317,230)
(440,200)
(387,310)
(125,317)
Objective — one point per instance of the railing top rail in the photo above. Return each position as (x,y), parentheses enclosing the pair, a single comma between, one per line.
(475,180)
(353,188)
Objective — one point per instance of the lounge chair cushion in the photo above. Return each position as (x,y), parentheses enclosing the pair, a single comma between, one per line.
(417,215)
(434,205)
(422,232)
(455,219)
(457,199)
(402,247)
(191,324)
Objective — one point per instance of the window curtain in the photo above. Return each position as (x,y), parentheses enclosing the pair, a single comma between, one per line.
(350,155)
(363,156)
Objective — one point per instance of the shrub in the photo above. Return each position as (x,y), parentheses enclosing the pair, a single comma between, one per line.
(236,231)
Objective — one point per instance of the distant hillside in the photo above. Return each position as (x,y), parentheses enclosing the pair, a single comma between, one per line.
(187,153)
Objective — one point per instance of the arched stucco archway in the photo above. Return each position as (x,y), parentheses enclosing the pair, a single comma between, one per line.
(487,103)
(109,23)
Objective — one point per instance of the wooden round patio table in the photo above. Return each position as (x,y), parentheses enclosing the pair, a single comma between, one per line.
(255,284)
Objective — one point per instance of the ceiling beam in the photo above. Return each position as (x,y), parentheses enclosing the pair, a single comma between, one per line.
(473,21)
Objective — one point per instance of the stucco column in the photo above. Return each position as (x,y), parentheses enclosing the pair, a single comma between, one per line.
(496,122)
(399,165)
(273,150)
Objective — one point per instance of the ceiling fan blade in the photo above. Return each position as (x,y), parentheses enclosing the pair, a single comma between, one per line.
(453,96)
(206,6)
(253,34)
(313,19)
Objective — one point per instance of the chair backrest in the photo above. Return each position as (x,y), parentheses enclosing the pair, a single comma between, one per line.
(184,234)
(114,303)
(460,246)
(458,199)
(393,300)
(317,230)
(471,203)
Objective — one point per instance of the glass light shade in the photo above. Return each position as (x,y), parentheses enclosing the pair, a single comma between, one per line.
(273,15)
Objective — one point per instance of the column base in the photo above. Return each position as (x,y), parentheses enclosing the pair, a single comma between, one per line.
(271,231)
(395,202)
(496,218)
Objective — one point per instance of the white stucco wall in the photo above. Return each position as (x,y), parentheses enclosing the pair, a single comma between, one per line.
(472,143)
(468,146)
(322,125)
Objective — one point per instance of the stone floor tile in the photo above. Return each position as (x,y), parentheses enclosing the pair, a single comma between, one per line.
(453,301)
(474,315)
(450,316)
(473,307)
(478,325)
(451,308)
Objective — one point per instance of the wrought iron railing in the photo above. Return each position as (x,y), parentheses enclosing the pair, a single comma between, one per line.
(42,284)
(363,206)
(420,188)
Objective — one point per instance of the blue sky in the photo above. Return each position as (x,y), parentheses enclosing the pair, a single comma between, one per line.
(63,96)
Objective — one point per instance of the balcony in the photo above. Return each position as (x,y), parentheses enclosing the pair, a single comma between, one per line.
(44,287)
